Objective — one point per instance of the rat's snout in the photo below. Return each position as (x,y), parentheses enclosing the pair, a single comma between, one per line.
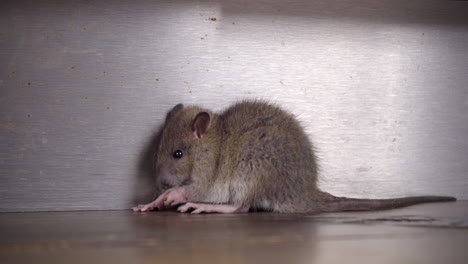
(165,179)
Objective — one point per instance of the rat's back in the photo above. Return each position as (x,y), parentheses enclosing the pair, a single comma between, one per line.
(270,157)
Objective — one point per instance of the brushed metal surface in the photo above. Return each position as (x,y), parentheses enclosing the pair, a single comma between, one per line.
(380,86)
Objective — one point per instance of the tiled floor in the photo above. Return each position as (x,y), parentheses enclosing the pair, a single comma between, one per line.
(431,233)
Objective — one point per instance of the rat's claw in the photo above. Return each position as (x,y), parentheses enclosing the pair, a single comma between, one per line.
(145,207)
(138,208)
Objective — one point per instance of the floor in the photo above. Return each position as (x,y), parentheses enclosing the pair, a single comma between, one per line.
(430,233)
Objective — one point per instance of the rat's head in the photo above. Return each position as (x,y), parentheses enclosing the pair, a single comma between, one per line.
(185,132)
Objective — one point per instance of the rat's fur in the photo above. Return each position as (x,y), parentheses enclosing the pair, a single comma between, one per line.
(252,156)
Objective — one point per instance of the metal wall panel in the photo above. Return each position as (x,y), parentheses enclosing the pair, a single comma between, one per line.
(381,87)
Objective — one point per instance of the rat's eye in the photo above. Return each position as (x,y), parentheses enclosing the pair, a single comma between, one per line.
(178,154)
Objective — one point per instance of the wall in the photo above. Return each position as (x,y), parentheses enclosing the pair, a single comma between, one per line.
(381,87)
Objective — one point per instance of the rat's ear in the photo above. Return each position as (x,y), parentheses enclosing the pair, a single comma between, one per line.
(200,124)
(174,110)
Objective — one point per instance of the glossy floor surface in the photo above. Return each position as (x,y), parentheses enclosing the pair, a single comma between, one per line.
(431,233)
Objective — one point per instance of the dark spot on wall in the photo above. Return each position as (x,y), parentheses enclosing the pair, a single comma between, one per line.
(262,136)
(362,169)
(212,18)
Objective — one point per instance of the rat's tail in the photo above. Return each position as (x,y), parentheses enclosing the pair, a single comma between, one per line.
(331,203)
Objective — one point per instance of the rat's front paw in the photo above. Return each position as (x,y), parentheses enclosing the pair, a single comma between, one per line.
(144,207)
(169,198)
(175,196)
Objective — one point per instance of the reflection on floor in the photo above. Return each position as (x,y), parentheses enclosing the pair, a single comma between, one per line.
(431,233)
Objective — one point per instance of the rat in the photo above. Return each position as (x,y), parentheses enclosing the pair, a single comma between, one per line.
(254,156)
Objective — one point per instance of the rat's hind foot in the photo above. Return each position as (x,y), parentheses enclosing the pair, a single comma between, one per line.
(212,208)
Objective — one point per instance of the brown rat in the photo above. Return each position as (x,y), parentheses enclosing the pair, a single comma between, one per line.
(253,156)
